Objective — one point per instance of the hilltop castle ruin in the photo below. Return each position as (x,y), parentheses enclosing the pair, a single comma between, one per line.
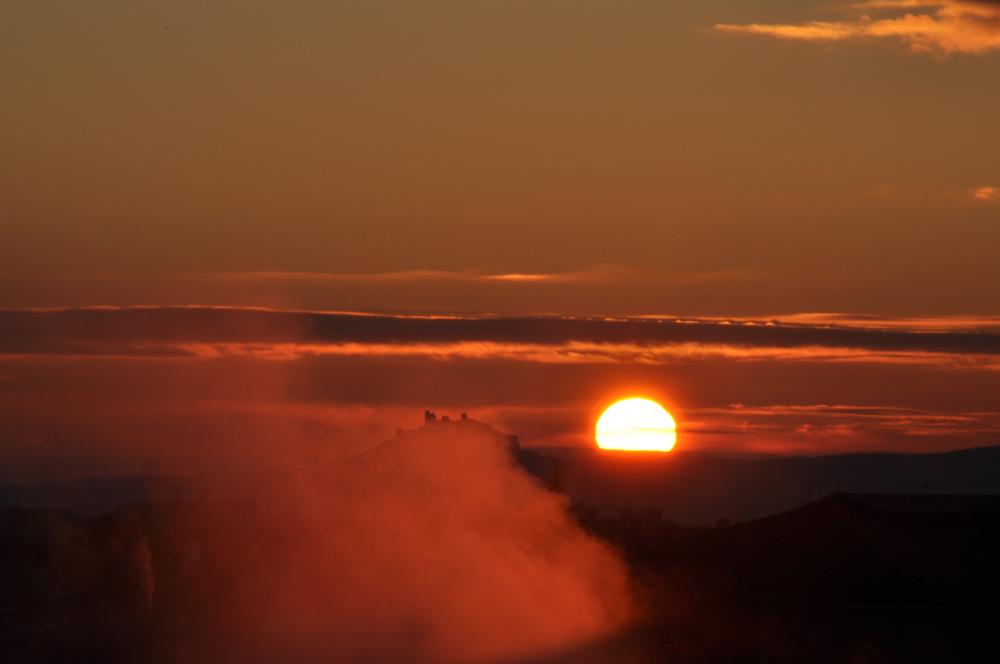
(431,420)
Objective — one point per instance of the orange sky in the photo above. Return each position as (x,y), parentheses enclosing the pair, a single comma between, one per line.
(147,143)
(722,158)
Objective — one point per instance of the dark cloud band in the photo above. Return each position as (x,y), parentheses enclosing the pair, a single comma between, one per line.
(161,330)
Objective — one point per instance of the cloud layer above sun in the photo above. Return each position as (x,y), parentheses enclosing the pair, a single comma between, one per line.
(212,332)
(162,389)
(927,26)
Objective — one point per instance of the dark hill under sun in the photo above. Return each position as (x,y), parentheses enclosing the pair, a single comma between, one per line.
(698,489)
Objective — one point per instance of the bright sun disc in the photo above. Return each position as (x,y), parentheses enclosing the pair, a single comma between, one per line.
(636,425)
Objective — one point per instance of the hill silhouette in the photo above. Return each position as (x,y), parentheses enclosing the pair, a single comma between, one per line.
(845,578)
(698,489)
(849,577)
(690,488)
(440,528)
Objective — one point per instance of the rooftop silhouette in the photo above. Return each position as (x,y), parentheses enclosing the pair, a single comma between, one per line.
(463,423)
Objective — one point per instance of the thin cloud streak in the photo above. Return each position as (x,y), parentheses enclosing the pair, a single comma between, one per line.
(597,274)
(986,194)
(587,353)
(942,27)
(271,334)
(395,277)
(846,420)
(128,330)
(912,324)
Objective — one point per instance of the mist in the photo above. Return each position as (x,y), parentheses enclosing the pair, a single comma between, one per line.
(432,548)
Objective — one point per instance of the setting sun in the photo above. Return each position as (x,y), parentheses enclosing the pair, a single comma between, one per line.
(636,425)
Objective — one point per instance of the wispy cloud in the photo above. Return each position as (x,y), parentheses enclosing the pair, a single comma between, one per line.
(168,372)
(909,323)
(928,26)
(578,352)
(286,335)
(518,276)
(848,419)
(596,274)
(986,194)
(399,276)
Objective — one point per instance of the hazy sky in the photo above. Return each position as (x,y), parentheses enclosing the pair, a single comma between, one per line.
(679,147)
(733,160)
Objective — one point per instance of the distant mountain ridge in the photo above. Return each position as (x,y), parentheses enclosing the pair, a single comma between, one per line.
(689,488)
(699,489)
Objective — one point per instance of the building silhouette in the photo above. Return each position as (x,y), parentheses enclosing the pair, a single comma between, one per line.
(464,423)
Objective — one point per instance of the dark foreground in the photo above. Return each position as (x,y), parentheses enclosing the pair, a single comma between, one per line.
(846,578)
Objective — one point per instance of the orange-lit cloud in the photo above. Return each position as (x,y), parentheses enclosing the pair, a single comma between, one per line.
(401,276)
(910,323)
(517,289)
(986,194)
(844,426)
(151,389)
(178,333)
(928,26)
(578,352)
(517,276)
(599,273)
